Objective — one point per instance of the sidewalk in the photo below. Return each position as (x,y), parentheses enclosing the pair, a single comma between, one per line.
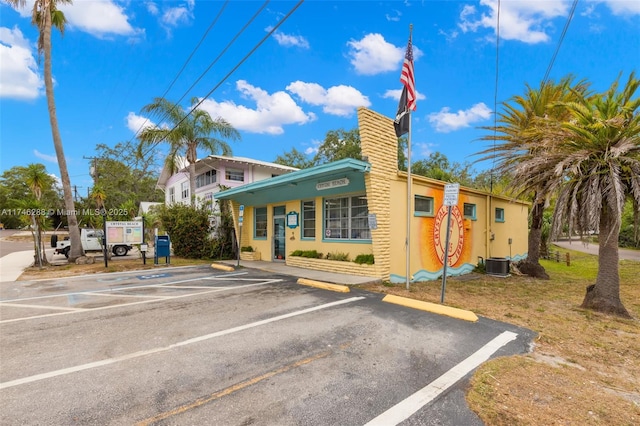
(13,264)
(592,248)
(281,268)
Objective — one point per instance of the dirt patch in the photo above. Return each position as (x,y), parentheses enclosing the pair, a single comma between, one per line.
(585,366)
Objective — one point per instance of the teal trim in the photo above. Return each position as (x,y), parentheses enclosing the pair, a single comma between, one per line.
(300,184)
(302,218)
(344,240)
(471,216)
(499,219)
(423,275)
(423,214)
(518,257)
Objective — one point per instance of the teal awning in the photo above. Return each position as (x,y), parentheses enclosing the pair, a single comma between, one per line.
(339,177)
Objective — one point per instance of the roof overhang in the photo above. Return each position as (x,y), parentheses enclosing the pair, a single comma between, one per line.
(327,179)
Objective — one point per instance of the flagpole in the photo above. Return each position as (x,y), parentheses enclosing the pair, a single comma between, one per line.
(408,239)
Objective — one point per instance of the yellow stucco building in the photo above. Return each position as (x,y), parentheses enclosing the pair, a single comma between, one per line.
(359,207)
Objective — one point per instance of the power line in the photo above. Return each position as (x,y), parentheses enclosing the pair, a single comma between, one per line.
(229,44)
(213,23)
(495,98)
(235,67)
(564,32)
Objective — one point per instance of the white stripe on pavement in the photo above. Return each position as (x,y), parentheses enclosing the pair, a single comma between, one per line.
(406,408)
(133,355)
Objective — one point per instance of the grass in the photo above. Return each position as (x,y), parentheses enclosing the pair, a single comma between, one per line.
(585,366)
(115,265)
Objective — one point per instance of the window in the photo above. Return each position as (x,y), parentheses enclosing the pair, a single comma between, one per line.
(469,211)
(184,188)
(423,206)
(346,218)
(499,214)
(309,219)
(260,222)
(172,195)
(208,201)
(206,178)
(236,175)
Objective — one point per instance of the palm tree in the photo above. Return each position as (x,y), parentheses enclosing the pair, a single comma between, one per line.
(594,164)
(37,179)
(520,143)
(46,15)
(188,133)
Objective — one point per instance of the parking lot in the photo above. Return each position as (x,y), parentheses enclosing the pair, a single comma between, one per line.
(199,346)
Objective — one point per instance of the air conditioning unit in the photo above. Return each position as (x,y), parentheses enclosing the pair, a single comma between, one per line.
(498,266)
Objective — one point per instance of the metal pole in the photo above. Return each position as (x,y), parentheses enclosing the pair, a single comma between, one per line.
(104,238)
(446,255)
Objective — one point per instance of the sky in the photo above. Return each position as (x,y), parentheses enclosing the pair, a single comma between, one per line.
(324,60)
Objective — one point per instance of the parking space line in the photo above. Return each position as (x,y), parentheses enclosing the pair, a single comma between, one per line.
(138,354)
(199,293)
(124,294)
(407,407)
(24,305)
(231,389)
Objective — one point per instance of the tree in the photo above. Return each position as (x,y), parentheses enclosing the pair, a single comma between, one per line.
(14,190)
(38,180)
(46,15)
(592,159)
(437,166)
(187,134)
(337,145)
(124,177)
(520,141)
(295,158)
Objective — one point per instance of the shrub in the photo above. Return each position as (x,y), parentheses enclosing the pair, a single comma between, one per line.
(246,249)
(344,257)
(310,254)
(188,229)
(366,259)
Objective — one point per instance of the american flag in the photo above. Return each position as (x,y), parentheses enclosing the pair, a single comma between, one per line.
(407,77)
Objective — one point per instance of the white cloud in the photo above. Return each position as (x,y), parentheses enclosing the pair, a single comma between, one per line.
(271,113)
(288,40)
(98,18)
(396,93)
(174,16)
(394,17)
(445,121)
(45,157)
(152,8)
(137,123)
(19,77)
(620,7)
(526,21)
(422,149)
(337,100)
(374,55)
(313,148)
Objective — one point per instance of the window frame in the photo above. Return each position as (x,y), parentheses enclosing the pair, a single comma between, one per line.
(258,214)
(424,213)
(229,172)
(184,190)
(499,218)
(349,219)
(304,219)
(472,216)
(172,195)
(207,178)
